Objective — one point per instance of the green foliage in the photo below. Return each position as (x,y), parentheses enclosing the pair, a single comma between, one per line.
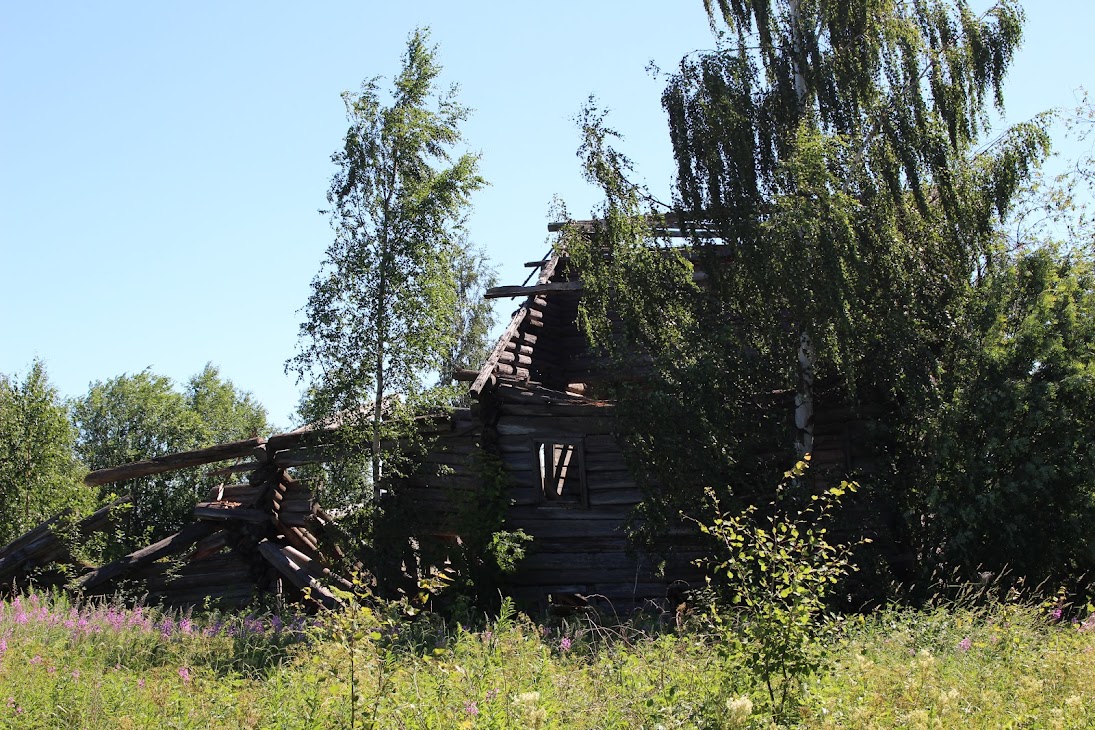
(987,668)
(39,472)
(1007,471)
(382,308)
(834,189)
(135,417)
(774,570)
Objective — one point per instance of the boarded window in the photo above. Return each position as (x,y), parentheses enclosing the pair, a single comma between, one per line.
(562,472)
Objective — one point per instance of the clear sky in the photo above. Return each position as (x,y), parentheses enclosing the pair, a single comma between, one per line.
(162,163)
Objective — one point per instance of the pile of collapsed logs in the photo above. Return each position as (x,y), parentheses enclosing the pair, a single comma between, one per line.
(262,535)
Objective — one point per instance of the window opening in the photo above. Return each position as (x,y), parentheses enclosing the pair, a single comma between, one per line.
(562,472)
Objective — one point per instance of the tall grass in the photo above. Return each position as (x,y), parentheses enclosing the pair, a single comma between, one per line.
(99,665)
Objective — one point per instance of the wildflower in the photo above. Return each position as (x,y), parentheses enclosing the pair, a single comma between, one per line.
(184,674)
(51,670)
(1056,613)
(491,694)
(75,673)
(487,636)
(528,704)
(565,644)
(36,659)
(965,644)
(739,709)
(140,683)
(471,708)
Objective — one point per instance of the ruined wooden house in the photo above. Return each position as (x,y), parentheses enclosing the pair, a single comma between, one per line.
(537,446)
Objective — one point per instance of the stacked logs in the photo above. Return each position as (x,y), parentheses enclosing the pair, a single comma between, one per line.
(263,535)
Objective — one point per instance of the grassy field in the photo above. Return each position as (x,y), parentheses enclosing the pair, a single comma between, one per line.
(103,666)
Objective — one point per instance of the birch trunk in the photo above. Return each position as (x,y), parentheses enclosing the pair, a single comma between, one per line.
(807,353)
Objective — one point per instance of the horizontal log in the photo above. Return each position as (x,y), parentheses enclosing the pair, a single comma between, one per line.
(208,511)
(172,462)
(497,292)
(554,409)
(181,540)
(222,576)
(559,426)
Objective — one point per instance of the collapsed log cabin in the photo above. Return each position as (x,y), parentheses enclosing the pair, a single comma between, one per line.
(263,534)
(537,451)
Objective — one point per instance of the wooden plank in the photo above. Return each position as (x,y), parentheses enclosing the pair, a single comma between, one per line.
(209,546)
(498,292)
(171,462)
(181,540)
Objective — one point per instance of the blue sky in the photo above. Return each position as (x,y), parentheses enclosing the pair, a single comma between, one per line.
(162,164)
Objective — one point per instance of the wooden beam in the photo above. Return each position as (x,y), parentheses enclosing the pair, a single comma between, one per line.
(548,287)
(488,366)
(296,573)
(171,462)
(181,540)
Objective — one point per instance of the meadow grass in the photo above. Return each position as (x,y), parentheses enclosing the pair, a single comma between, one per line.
(99,665)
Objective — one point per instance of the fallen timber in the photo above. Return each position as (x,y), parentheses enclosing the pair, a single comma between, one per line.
(265,534)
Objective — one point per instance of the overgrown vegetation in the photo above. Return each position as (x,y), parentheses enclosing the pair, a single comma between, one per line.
(103,666)
(847,236)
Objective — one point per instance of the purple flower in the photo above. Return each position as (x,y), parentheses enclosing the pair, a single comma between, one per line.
(184,674)
(1056,614)
(487,636)
(471,708)
(965,644)
(492,693)
(564,644)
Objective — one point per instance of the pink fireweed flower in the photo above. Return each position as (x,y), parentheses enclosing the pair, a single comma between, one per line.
(471,708)
(965,644)
(75,673)
(140,683)
(184,674)
(564,644)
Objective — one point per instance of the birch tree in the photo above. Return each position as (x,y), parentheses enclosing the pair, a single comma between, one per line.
(379,318)
(840,186)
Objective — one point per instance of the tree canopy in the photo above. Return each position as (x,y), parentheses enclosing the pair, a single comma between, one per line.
(837,186)
(39,472)
(136,417)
